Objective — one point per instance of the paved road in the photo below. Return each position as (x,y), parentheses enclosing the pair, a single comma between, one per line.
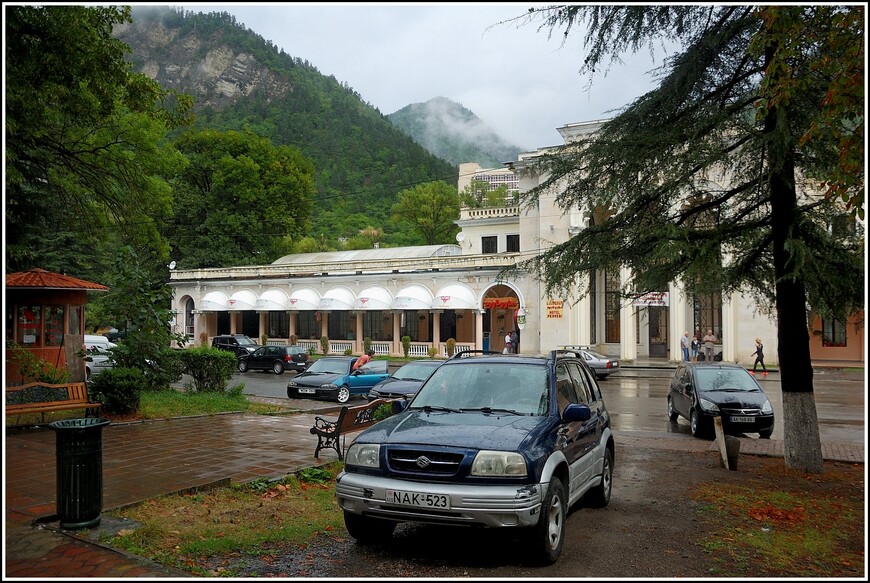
(637,398)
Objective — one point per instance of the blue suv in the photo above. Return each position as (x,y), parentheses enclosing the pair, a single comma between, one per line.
(506,441)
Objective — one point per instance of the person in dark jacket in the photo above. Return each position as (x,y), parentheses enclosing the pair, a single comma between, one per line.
(759,357)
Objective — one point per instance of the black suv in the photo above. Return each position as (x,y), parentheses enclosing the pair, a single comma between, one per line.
(275,358)
(507,441)
(238,344)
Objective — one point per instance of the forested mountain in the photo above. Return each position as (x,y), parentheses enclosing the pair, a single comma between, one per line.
(239,80)
(453,133)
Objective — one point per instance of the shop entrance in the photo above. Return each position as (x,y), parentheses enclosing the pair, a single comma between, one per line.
(658,331)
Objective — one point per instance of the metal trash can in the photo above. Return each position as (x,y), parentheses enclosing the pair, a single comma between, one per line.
(79,463)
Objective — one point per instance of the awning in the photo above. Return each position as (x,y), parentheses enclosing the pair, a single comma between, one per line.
(215,301)
(374,298)
(413,297)
(272,300)
(242,300)
(304,299)
(455,296)
(337,298)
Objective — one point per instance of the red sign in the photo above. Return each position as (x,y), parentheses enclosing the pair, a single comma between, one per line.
(501,303)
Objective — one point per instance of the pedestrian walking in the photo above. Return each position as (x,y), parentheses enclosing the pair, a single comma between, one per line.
(709,341)
(684,345)
(759,357)
(696,345)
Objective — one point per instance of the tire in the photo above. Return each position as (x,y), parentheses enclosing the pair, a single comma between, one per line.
(343,394)
(278,367)
(765,434)
(672,413)
(368,531)
(242,366)
(548,536)
(602,377)
(599,496)
(695,423)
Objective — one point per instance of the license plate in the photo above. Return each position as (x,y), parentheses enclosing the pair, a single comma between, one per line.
(305,391)
(742,419)
(418,499)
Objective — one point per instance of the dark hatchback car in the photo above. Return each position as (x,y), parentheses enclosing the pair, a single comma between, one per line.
(405,381)
(498,441)
(701,391)
(238,344)
(275,358)
(332,378)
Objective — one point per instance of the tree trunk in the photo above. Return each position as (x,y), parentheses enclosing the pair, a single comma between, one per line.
(803,448)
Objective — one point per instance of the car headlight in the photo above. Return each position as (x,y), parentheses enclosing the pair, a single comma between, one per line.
(498,463)
(709,406)
(291,383)
(328,386)
(363,454)
(767,407)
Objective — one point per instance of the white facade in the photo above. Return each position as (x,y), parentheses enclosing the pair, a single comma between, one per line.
(454,291)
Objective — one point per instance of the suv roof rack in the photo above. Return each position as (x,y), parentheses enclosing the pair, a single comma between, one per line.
(471,352)
(567,351)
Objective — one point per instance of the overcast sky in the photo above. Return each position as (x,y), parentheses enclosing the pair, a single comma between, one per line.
(519,82)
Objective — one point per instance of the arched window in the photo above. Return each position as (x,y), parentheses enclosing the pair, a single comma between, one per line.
(188,317)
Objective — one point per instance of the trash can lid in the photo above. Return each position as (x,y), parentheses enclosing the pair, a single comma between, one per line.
(79,423)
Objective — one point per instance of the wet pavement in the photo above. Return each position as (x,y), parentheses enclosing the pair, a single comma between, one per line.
(146,459)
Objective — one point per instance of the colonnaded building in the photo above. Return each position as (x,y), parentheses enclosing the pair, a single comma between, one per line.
(440,292)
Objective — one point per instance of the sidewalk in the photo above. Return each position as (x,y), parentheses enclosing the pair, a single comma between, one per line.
(143,460)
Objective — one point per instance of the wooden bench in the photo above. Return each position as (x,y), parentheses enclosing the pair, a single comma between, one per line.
(350,419)
(43,398)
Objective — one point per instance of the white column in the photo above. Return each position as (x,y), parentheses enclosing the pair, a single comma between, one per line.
(627,325)
(584,318)
(729,339)
(677,314)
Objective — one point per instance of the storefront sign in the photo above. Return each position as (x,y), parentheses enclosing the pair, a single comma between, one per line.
(521,318)
(652,299)
(501,303)
(555,308)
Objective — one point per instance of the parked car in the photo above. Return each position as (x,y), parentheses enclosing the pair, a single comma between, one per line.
(97,342)
(602,366)
(114,334)
(332,378)
(275,358)
(405,381)
(238,344)
(96,361)
(701,391)
(491,440)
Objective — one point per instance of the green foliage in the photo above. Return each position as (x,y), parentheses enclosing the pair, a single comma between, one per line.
(324,344)
(406,345)
(431,209)
(210,368)
(138,300)
(348,351)
(86,159)
(450,346)
(314,476)
(432,351)
(383,411)
(34,369)
(293,339)
(478,195)
(367,344)
(240,193)
(119,389)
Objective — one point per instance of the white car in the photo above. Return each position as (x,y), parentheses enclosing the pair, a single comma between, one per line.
(97,356)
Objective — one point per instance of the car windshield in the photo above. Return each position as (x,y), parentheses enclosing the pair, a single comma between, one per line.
(414,371)
(486,386)
(245,341)
(723,379)
(330,366)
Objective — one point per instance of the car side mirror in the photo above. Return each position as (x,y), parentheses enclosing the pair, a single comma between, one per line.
(357,372)
(576,412)
(399,405)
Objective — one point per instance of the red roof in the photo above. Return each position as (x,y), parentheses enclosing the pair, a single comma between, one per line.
(42,279)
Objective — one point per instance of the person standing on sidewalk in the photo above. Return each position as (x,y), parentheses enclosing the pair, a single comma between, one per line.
(684,345)
(696,346)
(759,357)
(709,341)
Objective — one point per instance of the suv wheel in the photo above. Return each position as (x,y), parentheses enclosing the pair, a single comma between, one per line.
(278,367)
(549,534)
(599,496)
(672,413)
(343,394)
(242,366)
(368,530)
(695,423)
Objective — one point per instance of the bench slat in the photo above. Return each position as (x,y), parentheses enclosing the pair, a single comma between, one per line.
(45,397)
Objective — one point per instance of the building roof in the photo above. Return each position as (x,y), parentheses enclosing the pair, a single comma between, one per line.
(42,279)
(370,254)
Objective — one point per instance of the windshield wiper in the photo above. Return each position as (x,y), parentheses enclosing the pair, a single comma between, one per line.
(430,408)
(490,410)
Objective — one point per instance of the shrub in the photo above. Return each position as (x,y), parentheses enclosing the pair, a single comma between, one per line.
(406,345)
(433,351)
(348,351)
(34,369)
(118,389)
(367,344)
(203,339)
(450,347)
(264,340)
(383,411)
(210,368)
(165,370)
(293,339)
(324,344)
